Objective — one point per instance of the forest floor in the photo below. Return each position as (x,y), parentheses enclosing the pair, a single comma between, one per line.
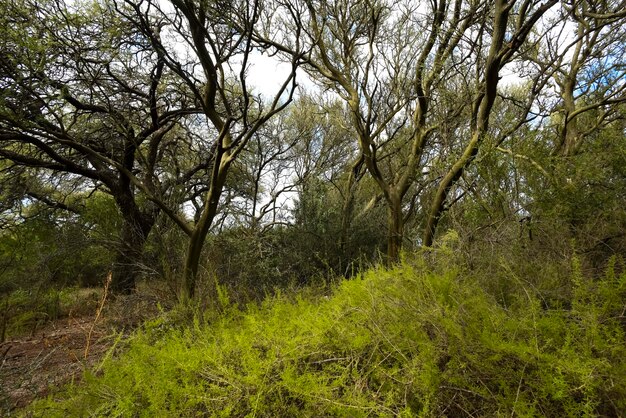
(55,354)
(33,366)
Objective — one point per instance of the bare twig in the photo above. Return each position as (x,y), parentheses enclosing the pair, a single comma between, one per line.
(98,313)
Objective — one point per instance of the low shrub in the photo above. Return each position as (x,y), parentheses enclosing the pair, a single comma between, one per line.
(23,312)
(401,342)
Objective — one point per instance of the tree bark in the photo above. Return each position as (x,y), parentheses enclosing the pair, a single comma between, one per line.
(136,226)
(395,232)
(199,233)
(194,251)
(127,264)
(192,263)
(347,211)
(438,204)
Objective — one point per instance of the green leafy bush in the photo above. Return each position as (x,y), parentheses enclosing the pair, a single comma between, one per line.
(403,342)
(23,311)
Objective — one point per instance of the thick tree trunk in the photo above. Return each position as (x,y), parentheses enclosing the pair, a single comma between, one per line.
(194,252)
(438,204)
(435,214)
(570,132)
(136,226)
(127,265)
(347,211)
(395,231)
(192,263)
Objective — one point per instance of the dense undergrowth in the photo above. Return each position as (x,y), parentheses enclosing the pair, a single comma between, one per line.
(416,340)
(23,312)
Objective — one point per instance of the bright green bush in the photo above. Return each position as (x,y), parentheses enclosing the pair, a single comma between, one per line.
(401,342)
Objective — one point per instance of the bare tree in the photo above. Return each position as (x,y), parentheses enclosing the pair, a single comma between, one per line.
(391,62)
(587,68)
(214,67)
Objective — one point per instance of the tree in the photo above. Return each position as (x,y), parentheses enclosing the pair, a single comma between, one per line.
(219,53)
(581,125)
(83,94)
(551,181)
(53,233)
(391,62)
(587,69)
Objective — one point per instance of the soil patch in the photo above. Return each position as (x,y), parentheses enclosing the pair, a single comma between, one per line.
(34,366)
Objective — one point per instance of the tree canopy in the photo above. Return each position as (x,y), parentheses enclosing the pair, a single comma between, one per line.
(443,114)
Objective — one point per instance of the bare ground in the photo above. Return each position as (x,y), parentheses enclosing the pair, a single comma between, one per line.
(32,367)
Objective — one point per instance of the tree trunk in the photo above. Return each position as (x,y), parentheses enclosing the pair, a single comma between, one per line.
(347,210)
(192,263)
(194,251)
(438,205)
(395,232)
(128,261)
(434,216)
(198,236)
(136,226)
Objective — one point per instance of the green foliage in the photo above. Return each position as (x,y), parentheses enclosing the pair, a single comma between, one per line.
(56,248)
(252,262)
(403,342)
(101,215)
(23,311)
(44,256)
(40,252)
(582,200)
(318,223)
